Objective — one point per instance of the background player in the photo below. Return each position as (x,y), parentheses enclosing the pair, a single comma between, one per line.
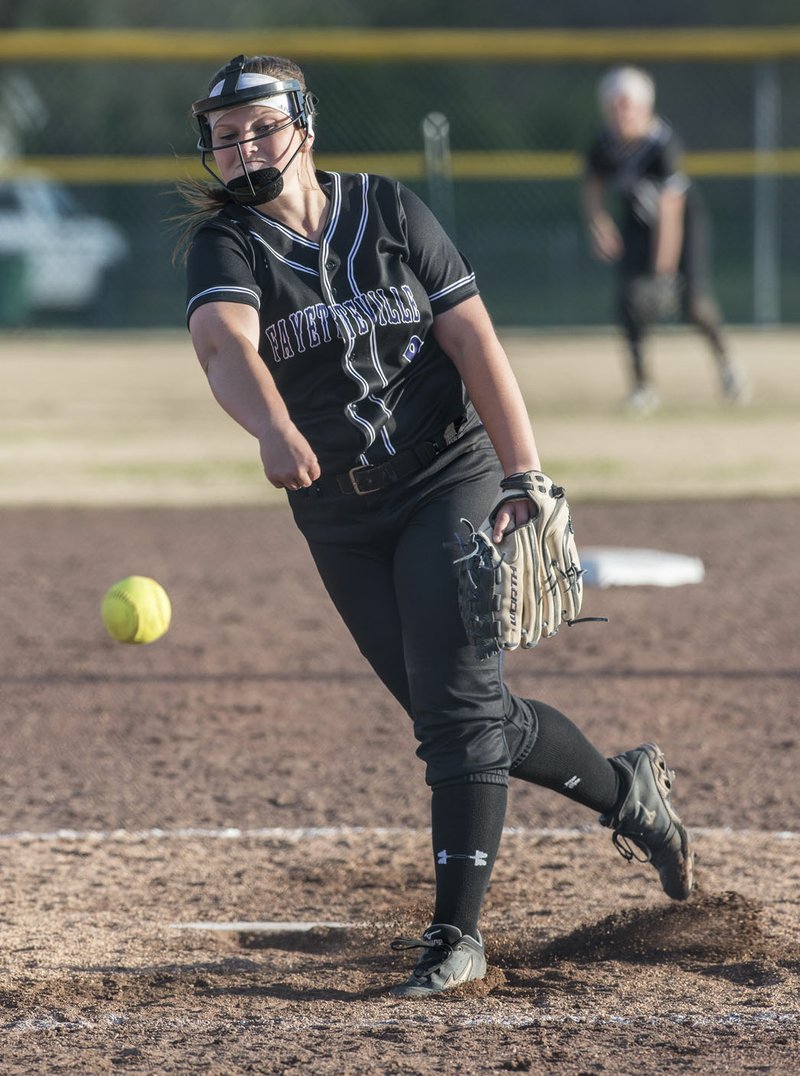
(662,246)
(338,324)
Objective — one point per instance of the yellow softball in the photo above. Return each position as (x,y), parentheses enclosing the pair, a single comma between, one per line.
(136,610)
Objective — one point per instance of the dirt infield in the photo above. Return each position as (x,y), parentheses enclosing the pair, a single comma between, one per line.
(247,767)
(128,419)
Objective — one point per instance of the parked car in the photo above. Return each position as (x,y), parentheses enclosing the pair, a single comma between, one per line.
(53,252)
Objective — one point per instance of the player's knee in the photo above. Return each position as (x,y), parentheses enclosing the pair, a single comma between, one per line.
(461,751)
(701,310)
(521,730)
(631,316)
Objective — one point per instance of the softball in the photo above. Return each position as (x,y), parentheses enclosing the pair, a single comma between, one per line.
(136,610)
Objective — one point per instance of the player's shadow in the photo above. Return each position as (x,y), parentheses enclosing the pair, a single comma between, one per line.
(235,977)
(300,990)
(321,955)
(317,940)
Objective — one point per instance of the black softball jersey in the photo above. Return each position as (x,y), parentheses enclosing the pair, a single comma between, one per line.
(346,322)
(639,171)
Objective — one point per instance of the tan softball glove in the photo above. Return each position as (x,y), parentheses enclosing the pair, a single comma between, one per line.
(514,592)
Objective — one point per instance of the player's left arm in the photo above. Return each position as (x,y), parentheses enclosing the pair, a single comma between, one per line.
(466,335)
(669,234)
(668,169)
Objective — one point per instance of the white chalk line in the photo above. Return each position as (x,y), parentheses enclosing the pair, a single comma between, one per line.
(293,834)
(768,1019)
(267,926)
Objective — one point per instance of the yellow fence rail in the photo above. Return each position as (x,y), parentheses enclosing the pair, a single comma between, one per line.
(731,164)
(419,45)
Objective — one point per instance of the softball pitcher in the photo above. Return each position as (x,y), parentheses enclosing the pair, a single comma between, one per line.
(337,323)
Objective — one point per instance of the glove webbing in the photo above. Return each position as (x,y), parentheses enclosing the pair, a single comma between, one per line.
(479,555)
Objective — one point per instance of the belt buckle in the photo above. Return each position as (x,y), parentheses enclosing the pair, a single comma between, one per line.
(351,474)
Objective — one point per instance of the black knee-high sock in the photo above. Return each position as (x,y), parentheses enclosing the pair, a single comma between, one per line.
(704,314)
(564,760)
(637,363)
(467,823)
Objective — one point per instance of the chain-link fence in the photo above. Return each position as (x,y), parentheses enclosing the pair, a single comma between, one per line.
(93,146)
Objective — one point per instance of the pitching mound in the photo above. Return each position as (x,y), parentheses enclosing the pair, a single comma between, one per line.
(724,926)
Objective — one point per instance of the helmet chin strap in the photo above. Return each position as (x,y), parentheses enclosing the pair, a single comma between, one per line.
(263,185)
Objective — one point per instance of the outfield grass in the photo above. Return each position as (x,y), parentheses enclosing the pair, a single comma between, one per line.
(128,419)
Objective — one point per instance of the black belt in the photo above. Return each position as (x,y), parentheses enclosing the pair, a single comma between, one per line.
(375,477)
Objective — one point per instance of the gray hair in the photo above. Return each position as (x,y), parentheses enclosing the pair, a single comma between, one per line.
(631,81)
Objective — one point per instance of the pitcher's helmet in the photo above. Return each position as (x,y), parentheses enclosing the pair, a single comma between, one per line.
(237,86)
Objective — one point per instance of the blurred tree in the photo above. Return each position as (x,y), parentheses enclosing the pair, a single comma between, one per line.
(512,13)
(524,236)
(11,13)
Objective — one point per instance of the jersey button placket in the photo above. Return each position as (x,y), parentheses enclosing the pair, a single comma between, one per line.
(331,265)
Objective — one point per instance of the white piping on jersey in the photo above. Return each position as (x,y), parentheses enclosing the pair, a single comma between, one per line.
(210,291)
(282,258)
(362,225)
(294,236)
(630,156)
(373,344)
(678,183)
(452,287)
(387,442)
(347,333)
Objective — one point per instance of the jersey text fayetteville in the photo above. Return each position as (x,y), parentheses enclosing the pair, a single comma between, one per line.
(313,325)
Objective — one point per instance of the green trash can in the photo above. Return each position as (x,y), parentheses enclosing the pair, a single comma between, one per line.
(14,289)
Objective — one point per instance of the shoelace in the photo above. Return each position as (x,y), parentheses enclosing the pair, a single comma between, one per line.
(622,842)
(418,943)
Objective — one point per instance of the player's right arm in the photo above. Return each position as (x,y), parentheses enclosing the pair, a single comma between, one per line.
(603,233)
(225,337)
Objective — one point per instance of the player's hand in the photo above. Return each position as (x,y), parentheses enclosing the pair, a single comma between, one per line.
(510,515)
(607,243)
(289,460)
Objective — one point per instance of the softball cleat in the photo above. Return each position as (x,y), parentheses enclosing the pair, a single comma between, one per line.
(450,959)
(641,402)
(645,822)
(734,384)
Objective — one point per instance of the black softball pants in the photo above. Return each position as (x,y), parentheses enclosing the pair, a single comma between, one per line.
(386,560)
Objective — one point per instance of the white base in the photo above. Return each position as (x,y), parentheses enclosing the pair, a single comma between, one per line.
(609,567)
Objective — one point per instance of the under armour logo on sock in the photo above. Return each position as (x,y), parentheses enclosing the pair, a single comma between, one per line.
(478,858)
(573,782)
